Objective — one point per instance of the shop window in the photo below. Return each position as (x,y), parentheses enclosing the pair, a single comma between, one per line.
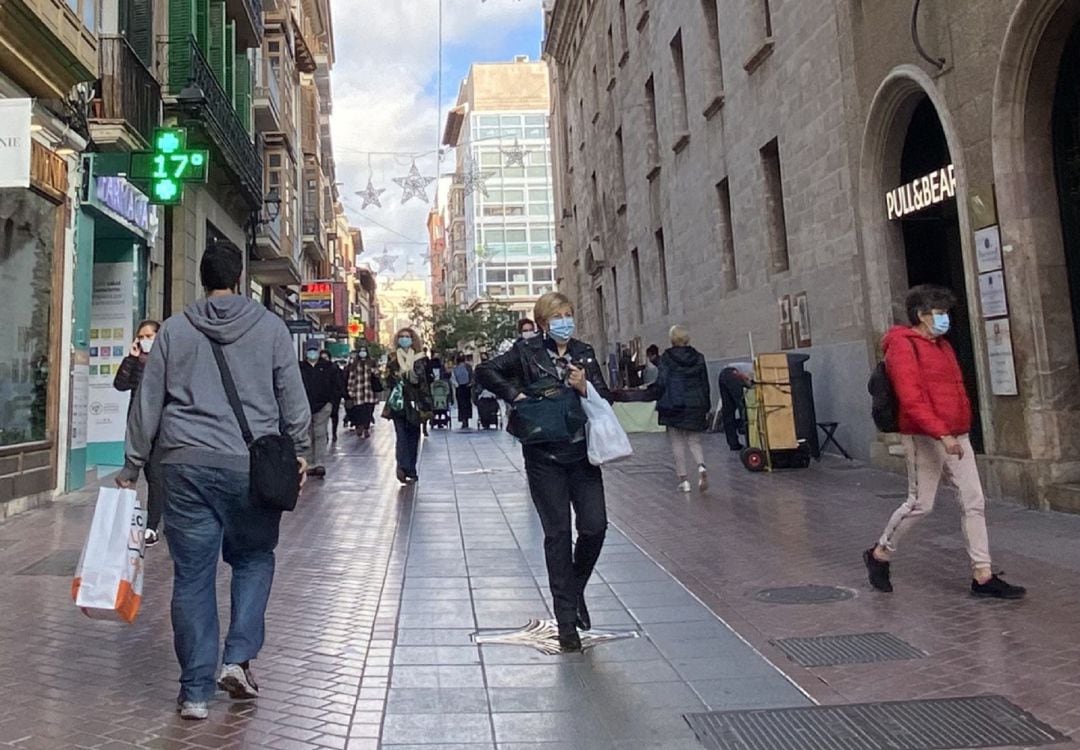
(678,98)
(774,205)
(26,259)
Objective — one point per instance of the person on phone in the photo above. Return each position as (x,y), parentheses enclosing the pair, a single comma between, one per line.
(410,406)
(559,473)
(127,379)
(182,411)
(935,417)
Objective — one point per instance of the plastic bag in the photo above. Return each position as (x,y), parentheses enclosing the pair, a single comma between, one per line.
(109,579)
(607,441)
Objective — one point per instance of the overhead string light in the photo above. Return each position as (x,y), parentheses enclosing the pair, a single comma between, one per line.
(515,156)
(369,196)
(414,185)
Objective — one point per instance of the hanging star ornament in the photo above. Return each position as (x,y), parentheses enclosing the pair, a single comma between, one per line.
(387,262)
(414,185)
(472,180)
(369,196)
(515,156)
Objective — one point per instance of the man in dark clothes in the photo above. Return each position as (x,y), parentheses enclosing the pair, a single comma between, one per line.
(323,390)
(733,385)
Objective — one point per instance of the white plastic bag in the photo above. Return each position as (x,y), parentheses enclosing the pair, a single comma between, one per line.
(605,437)
(108,581)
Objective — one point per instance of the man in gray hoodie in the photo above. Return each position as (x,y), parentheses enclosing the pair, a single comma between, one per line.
(182,411)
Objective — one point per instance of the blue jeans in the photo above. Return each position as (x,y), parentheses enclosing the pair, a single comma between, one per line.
(208,513)
(407,447)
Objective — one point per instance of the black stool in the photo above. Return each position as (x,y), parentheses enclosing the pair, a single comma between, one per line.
(829,428)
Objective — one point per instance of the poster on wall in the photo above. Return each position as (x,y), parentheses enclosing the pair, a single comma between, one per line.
(801,317)
(80,385)
(110,338)
(15,147)
(992,295)
(787,331)
(988,249)
(1002,363)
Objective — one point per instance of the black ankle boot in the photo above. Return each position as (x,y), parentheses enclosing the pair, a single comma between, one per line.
(584,622)
(569,639)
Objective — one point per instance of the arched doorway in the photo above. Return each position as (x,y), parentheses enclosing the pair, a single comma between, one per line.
(930,227)
(1066,139)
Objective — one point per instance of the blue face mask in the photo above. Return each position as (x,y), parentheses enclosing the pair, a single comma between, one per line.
(405,342)
(313,357)
(940,326)
(561,329)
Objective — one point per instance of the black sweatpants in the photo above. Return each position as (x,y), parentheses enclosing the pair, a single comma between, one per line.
(556,488)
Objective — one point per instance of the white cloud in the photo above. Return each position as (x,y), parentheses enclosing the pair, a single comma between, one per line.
(384,82)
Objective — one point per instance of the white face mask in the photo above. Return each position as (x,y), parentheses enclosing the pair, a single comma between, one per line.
(528,335)
(146,345)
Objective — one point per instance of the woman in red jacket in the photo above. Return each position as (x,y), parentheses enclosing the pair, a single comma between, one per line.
(935,417)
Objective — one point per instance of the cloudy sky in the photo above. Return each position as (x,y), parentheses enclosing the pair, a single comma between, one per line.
(386,99)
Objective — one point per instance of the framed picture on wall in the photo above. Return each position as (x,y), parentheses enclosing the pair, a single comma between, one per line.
(801,314)
(787,334)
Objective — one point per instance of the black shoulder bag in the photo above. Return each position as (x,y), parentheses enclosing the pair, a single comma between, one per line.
(275,473)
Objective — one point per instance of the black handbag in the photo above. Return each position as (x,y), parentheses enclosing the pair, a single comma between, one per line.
(275,473)
(552,415)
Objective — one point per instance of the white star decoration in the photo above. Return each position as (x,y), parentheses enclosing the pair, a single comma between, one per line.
(414,185)
(370,195)
(472,180)
(387,262)
(515,156)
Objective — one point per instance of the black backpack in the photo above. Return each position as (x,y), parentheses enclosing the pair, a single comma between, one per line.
(884,406)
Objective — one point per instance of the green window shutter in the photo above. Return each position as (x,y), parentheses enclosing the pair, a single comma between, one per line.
(181,26)
(139,28)
(230,62)
(215,54)
(202,25)
(243,89)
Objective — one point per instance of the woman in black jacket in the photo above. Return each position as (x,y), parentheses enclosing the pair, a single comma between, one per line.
(408,367)
(549,374)
(684,399)
(128,377)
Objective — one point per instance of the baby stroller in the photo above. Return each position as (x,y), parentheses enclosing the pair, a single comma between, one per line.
(441,397)
(487,406)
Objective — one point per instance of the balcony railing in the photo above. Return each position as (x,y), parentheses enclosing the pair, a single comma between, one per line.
(268,93)
(128,90)
(222,123)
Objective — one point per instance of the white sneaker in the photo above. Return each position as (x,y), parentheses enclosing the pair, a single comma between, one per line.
(238,682)
(151,537)
(684,486)
(193,710)
(703,478)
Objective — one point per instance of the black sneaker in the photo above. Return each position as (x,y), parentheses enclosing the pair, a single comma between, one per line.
(569,640)
(584,622)
(878,570)
(996,588)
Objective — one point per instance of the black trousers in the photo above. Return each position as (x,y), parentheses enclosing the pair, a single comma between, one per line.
(729,415)
(556,488)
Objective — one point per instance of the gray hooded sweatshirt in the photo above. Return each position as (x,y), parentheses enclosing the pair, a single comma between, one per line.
(181,410)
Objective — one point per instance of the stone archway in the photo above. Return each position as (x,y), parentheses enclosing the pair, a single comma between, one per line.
(1030,220)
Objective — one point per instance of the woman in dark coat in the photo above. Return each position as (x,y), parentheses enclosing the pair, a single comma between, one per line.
(684,401)
(128,377)
(550,375)
(408,367)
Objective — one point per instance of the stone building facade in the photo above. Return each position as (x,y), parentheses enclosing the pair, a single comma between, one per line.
(725,163)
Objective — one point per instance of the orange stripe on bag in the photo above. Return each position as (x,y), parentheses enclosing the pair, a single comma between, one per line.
(75,584)
(127,602)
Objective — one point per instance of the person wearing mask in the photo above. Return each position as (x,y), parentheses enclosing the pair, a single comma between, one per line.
(683,401)
(463,385)
(934,419)
(322,388)
(651,372)
(342,380)
(408,407)
(128,376)
(181,411)
(559,367)
(364,385)
(526,329)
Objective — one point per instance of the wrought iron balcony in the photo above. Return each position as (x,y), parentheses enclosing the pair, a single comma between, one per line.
(203,99)
(128,100)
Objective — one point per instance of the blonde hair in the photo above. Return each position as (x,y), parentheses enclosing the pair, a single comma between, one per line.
(680,335)
(549,306)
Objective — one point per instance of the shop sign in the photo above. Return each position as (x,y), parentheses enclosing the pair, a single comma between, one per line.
(317,297)
(15,143)
(300,326)
(170,165)
(1002,363)
(922,192)
(127,202)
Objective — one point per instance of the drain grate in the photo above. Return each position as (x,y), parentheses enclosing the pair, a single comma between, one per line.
(858,648)
(811,594)
(939,724)
(62,563)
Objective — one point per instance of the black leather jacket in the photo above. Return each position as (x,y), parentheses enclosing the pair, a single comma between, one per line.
(529,362)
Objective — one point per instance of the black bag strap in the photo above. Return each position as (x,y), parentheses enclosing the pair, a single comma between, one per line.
(231,393)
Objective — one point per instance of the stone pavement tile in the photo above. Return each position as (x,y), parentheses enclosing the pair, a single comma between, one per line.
(747,692)
(428,655)
(537,699)
(437,677)
(434,636)
(400,729)
(582,727)
(437,701)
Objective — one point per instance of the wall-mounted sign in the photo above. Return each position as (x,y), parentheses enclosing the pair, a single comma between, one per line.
(988,249)
(922,192)
(317,297)
(15,140)
(169,165)
(126,204)
(300,326)
(992,296)
(1002,364)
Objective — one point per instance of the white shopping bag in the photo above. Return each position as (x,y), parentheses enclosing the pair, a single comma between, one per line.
(605,437)
(108,581)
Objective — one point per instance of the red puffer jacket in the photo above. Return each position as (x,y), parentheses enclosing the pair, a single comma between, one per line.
(926,377)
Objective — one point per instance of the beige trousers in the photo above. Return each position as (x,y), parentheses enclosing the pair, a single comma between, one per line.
(681,442)
(927,463)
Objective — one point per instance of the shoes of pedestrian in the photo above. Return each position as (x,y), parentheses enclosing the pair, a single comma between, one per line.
(684,485)
(317,471)
(703,478)
(569,640)
(238,682)
(402,476)
(411,479)
(151,537)
(996,588)
(735,447)
(193,710)
(584,622)
(878,571)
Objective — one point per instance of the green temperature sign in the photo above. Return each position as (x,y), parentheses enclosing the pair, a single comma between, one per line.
(169,165)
